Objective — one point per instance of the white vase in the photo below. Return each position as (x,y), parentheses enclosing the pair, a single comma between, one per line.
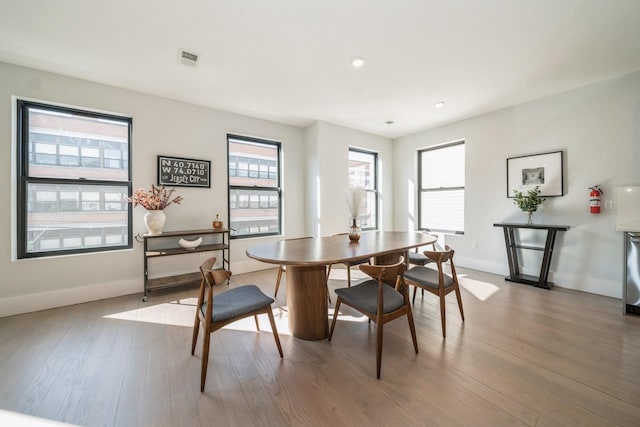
(154,220)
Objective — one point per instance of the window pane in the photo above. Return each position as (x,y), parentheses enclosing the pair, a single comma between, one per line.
(369,220)
(81,208)
(67,222)
(442,188)
(443,210)
(443,167)
(363,173)
(254,163)
(250,155)
(68,139)
(362,169)
(253,214)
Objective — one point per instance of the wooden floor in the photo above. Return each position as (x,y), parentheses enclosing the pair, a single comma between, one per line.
(524,356)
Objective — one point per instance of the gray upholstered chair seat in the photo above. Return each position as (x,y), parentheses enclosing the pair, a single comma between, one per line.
(365,296)
(237,301)
(418,258)
(427,277)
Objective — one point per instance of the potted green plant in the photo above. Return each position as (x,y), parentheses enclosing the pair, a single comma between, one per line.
(529,202)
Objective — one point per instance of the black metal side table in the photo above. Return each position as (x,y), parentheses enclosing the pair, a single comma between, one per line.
(512,252)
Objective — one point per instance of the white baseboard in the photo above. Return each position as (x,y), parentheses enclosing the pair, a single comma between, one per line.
(561,280)
(481,265)
(63,297)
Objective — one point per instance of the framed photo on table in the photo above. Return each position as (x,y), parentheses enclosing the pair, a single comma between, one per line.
(544,170)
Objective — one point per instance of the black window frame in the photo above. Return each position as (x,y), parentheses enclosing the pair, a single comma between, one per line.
(375,190)
(421,190)
(231,188)
(24,179)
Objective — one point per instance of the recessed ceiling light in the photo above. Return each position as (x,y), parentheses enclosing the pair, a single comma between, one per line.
(357,62)
(439,104)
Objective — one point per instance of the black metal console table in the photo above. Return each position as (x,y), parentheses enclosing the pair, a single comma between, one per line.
(512,252)
(165,244)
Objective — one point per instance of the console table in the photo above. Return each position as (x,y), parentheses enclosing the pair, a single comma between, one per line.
(512,252)
(165,244)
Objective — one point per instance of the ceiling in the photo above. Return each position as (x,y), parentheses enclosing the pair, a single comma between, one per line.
(290,60)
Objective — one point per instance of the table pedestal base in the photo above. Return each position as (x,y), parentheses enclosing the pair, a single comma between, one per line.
(307,302)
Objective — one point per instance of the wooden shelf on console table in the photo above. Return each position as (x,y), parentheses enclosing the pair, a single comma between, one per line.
(512,252)
(166,244)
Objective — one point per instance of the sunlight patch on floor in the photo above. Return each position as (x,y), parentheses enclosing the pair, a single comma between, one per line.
(348,318)
(248,324)
(479,289)
(181,313)
(14,419)
(177,313)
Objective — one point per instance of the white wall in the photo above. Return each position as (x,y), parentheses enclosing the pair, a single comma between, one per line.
(328,155)
(597,127)
(160,126)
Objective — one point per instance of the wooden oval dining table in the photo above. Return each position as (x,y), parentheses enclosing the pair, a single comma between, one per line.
(307,260)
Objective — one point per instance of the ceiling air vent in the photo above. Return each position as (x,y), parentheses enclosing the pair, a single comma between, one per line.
(188,58)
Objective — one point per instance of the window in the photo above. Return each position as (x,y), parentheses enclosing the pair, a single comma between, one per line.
(254,186)
(363,172)
(73,174)
(441,188)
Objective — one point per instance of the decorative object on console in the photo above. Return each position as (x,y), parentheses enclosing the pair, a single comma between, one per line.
(154,201)
(537,170)
(190,244)
(528,203)
(217,223)
(154,221)
(355,197)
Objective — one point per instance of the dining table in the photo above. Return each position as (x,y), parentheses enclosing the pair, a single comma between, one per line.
(307,259)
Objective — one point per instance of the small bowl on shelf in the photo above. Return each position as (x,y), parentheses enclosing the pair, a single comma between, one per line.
(190,244)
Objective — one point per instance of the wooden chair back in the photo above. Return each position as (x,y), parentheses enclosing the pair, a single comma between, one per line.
(388,274)
(440,258)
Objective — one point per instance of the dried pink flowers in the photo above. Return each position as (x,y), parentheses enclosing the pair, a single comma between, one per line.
(156,200)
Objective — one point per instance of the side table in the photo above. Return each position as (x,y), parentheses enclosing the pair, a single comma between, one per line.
(512,252)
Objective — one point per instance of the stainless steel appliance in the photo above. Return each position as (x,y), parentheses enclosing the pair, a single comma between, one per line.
(631,291)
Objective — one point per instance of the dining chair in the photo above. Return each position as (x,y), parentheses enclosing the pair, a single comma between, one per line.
(437,281)
(382,298)
(420,259)
(226,307)
(349,264)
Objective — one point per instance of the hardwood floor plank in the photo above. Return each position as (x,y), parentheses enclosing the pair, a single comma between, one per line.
(524,356)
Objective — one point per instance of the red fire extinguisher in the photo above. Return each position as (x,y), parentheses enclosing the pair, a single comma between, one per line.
(594,200)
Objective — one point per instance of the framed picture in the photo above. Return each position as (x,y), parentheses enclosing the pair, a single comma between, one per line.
(524,173)
(180,172)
